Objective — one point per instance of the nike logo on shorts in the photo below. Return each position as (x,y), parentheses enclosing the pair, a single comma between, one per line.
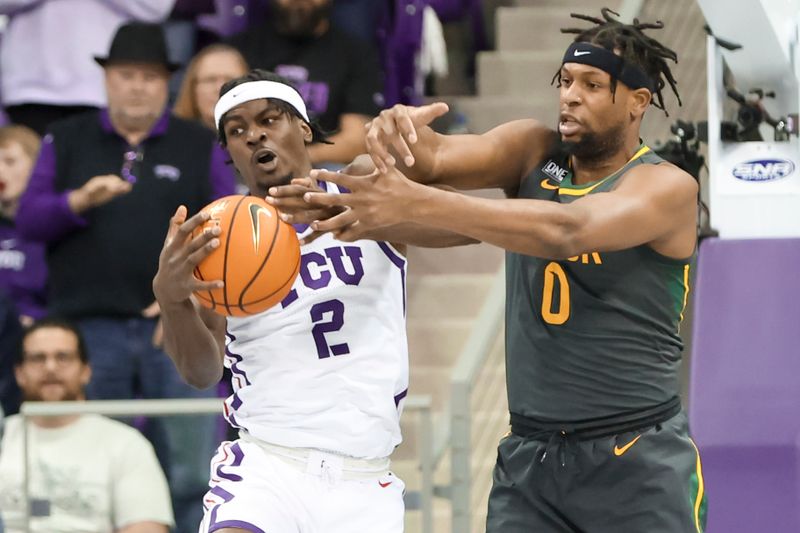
(619,451)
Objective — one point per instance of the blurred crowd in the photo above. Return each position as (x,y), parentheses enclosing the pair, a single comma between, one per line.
(107,127)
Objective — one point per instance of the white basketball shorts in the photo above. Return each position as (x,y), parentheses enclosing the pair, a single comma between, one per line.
(262,488)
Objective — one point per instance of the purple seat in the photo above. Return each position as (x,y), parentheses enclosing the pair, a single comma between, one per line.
(744,395)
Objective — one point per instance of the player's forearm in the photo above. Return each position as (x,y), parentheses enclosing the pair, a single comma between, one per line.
(531,227)
(421,236)
(191,345)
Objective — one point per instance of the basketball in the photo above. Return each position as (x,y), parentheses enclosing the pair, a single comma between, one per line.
(258,257)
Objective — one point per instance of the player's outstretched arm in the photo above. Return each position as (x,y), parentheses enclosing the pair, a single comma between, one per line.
(652,204)
(193,337)
(289,200)
(401,137)
(411,234)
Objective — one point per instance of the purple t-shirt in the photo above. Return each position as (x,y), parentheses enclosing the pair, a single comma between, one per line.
(23,271)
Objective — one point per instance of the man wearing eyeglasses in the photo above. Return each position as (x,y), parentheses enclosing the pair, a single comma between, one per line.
(86,473)
(104,188)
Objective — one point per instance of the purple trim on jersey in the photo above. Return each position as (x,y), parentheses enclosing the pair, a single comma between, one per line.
(399,397)
(400,263)
(396,259)
(221,493)
(237,359)
(236,372)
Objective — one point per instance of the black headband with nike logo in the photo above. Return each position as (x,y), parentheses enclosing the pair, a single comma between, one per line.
(608,61)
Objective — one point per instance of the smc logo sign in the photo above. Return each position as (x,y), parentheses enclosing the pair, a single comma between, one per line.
(763,169)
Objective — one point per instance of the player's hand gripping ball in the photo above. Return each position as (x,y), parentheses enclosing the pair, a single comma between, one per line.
(258,257)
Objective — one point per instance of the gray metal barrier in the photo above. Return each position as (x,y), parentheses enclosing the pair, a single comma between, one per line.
(121,408)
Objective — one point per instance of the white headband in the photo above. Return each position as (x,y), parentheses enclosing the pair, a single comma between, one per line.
(257,90)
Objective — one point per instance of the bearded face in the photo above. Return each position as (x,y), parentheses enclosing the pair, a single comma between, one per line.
(52,369)
(596,145)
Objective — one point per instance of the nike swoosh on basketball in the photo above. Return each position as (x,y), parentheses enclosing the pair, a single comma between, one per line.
(578,53)
(547,185)
(256,221)
(384,485)
(619,451)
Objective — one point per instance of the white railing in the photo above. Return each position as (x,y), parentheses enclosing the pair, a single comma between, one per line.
(122,408)
(478,347)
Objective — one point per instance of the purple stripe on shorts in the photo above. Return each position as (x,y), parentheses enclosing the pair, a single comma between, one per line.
(236,403)
(232,421)
(400,263)
(221,493)
(238,455)
(398,398)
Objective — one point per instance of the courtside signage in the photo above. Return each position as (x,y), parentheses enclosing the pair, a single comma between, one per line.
(763,169)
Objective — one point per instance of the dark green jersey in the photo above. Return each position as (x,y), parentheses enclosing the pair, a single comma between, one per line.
(594,335)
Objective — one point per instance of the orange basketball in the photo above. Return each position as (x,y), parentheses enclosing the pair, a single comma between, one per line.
(258,257)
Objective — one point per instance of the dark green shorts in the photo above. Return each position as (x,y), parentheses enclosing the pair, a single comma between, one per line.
(644,481)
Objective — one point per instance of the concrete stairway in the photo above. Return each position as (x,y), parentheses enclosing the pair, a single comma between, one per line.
(513,81)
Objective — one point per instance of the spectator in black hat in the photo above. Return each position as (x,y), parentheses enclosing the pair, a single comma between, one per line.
(104,188)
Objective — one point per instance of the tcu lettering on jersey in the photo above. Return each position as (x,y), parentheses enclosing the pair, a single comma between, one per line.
(328,367)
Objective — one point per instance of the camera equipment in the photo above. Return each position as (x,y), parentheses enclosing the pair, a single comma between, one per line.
(751,114)
(683,151)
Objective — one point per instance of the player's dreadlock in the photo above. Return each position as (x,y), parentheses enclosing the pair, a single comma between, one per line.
(634,46)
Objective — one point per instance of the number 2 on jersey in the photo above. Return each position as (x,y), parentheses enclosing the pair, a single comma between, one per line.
(333,311)
(553,273)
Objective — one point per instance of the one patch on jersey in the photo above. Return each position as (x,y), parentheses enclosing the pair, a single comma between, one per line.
(555,171)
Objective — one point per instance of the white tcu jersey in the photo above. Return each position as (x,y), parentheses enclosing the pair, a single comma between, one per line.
(328,367)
